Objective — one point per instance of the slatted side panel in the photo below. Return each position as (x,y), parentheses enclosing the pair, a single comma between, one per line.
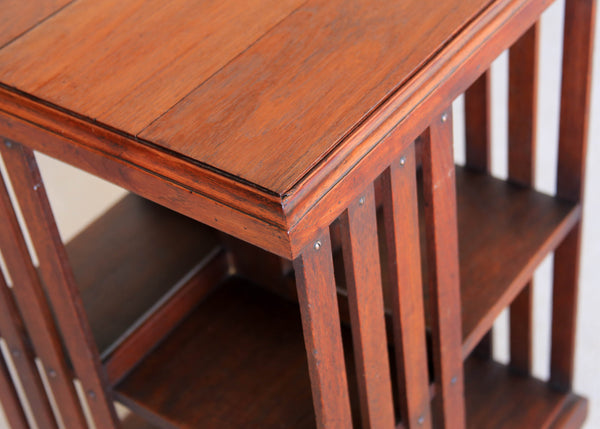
(365,300)
(9,399)
(317,296)
(32,304)
(401,220)
(580,18)
(59,282)
(14,334)
(478,148)
(439,193)
(522,110)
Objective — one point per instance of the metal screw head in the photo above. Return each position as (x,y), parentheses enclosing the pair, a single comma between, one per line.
(51,373)
(317,245)
(444,117)
(8,143)
(361,201)
(403,161)
(421,420)
(36,187)
(91,394)
(16,353)
(454,380)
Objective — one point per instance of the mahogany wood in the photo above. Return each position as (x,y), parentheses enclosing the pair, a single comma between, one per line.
(478,124)
(59,281)
(241,357)
(269,221)
(323,340)
(161,247)
(478,151)
(439,194)
(578,38)
(365,301)
(17,341)
(164,316)
(19,17)
(36,313)
(522,119)
(515,401)
(11,405)
(402,270)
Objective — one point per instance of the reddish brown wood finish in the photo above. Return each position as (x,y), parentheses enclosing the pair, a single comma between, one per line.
(439,193)
(165,316)
(401,218)
(522,119)
(59,281)
(516,401)
(322,335)
(478,123)
(11,405)
(19,17)
(276,223)
(38,319)
(580,18)
(17,341)
(365,301)
(478,151)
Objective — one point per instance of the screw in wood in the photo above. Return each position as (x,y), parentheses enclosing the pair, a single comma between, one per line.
(8,143)
(36,187)
(317,245)
(444,117)
(16,353)
(454,379)
(421,420)
(361,201)
(51,373)
(403,161)
(91,394)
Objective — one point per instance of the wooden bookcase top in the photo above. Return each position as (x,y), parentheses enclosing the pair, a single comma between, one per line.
(260,90)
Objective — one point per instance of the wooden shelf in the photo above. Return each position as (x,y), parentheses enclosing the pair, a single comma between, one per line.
(160,248)
(497,398)
(239,361)
(505,231)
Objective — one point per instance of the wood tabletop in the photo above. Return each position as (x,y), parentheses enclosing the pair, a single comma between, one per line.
(259,91)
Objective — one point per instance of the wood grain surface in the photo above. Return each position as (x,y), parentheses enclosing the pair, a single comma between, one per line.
(19,16)
(227,78)
(124,64)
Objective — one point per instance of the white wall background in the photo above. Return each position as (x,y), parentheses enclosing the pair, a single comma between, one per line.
(77,198)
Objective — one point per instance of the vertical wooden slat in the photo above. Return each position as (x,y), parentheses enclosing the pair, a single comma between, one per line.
(580,16)
(11,405)
(17,341)
(478,123)
(60,282)
(317,296)
(365,299)
(439,193)
(36,314)
(401,223)
(522,107)
(522,117)
(478,148)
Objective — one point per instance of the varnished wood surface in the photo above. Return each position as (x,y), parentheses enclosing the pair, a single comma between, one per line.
(289,85)
(276,223)
(499,399)
(159,246)
(19,16)
(238,361)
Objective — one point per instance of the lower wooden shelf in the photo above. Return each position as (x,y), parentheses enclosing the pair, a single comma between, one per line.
(161,248)
(239,361)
